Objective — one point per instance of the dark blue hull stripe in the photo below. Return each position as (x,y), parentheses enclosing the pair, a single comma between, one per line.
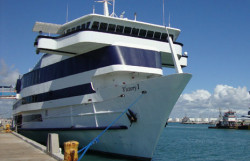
(110,55)
(119,156)
(57,94)
(74,128)
(58,51)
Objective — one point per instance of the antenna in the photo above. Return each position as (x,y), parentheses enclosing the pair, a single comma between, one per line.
(163,13)
(169,20)
(122,14)
(113,13)
(105,6)
(93,9)
(67,13)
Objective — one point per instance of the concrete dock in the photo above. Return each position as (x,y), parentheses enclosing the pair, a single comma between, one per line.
(14,148)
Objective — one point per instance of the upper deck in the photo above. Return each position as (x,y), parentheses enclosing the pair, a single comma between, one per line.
(95,31)
(109,24)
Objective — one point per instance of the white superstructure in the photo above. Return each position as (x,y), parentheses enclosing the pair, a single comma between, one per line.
(93,69)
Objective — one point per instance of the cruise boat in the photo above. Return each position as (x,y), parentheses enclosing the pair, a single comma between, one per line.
(92,69)
(247,116)
(245,121)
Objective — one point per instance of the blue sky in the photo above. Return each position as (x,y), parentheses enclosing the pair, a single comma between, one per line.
(215,34)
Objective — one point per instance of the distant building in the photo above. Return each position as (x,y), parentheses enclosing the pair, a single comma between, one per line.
(177,120)
(205,120)
(174,120)
(195,120)
(213,119)
(170,119)
(192,119)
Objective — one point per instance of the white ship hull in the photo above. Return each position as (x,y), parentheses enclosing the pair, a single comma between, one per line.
(94,68)
(139,139)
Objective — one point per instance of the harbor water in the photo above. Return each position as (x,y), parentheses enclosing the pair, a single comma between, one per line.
(195,142)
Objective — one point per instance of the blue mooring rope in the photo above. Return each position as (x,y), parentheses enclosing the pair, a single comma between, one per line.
(96,139)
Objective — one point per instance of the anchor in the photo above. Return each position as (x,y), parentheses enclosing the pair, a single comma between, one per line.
(131,116)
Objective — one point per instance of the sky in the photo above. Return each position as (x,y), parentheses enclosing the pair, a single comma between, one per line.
(214,33)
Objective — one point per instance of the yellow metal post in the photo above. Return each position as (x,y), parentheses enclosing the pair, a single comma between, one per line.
(70,151)
(7,128)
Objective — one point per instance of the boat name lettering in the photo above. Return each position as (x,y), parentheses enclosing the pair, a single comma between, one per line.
(133,88)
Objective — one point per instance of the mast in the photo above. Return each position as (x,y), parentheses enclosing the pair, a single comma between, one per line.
(113,13)
(106,9)
(105,6)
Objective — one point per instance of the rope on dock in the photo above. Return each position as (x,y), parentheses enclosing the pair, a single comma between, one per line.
(96,139)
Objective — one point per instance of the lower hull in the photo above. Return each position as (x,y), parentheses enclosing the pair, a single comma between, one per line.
(222,127)
(137,139)
(66,133)
(243,127)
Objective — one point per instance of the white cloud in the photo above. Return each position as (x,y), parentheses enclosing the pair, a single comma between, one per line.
(201,103)
(8,75)
(197,98)
(227,96)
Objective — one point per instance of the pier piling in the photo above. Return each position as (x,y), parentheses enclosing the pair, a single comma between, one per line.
(53,143)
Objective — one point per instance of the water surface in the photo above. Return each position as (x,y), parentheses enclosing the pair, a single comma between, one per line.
(183,142)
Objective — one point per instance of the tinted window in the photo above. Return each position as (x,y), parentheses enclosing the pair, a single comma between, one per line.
(157,35)
(111,28)
(73,29)
(142,33)
(88,24)
(119,29)
(83,26)
(103,26)
(135,31)
(150,34)
(95,25)
(127,30)
(33,118)
(68,31)
(164,36)
(78,28)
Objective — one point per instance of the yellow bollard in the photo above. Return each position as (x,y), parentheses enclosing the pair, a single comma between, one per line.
(7,128)
(70,151)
